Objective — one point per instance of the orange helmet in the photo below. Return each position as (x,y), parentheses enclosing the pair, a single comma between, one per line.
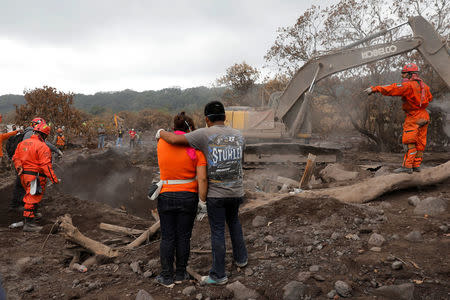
(410,68)
(42,127)
(37,121)
(59,130)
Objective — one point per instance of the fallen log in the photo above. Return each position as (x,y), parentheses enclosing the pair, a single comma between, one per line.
(72,234)
(120,229)
(144,236)
(373,188)
(194,274)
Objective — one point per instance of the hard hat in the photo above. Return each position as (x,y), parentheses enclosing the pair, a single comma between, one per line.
(410,68)
(59,130)
(42,127)
(36,121)
(132,129)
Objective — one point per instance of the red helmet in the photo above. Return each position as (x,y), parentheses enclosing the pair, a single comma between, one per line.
(37,121)
(42,127)
(410,68)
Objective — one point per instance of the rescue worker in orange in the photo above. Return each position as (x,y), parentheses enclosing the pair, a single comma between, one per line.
(60,139)
(416,96)
(4,137)
(33,161)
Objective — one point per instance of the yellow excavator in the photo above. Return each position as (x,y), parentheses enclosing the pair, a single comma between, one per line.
(280,132)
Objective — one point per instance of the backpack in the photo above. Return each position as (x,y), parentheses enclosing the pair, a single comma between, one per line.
(12,143)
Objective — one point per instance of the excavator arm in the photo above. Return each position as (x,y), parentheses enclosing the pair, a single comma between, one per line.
(292,105)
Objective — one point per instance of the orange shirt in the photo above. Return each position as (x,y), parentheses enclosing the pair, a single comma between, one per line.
(5,136)
(410,92)
(175,163)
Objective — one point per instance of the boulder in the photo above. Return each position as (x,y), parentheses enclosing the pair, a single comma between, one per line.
(143,295)
(413,200)
(414,236)
(259,221)
(336,172)
(398,292)
(343,289)
(431,206)
(376,240)
(187,291)
(294,290)
(241,292)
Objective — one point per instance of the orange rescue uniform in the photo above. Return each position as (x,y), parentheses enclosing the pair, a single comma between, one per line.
(415,101)
(35,158)
(60,141)
(4,137)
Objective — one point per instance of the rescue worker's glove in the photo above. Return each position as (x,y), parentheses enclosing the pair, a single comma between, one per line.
(201,210)
(60,153)
(158,136)
(369,91)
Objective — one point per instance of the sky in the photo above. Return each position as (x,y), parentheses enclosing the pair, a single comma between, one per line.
(88,46)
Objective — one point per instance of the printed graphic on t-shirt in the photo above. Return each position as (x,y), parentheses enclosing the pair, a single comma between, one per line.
(224,158)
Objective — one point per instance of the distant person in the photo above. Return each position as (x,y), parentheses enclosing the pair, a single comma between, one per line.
(139,138)
(415,96)
(223,147)
(101,137)
(33,162)
(60,139)
(132,134)
(183,171)
(119,141)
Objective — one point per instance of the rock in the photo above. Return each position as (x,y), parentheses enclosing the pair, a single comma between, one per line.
(343,289)
(259,221)
(148,274)
(294,290)
(153,263)
(398,292)
(287,181)
(269,239)
(199,296)
(386,205)
(336,172)
(331,294)
(335,235)
(395,237)
(443,228)
(289,251)
(303,276)
(431,206)
(308,249)
(376,240)
(284,189)
(318,277)
(352,236)
(397,265)
(241,292)
(314,268)
(22,263)
(414,236)
(375,249)
(319,247)
(135,266)
(248,272)
(413,200)
(358,221)
(28,288)
(187,291)
(143,295)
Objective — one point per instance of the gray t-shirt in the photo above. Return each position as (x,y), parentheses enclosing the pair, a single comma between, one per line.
(223,148)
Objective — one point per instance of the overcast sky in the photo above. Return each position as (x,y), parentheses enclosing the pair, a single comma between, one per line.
(87,46)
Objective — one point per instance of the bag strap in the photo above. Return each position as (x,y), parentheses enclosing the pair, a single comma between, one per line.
(178,181)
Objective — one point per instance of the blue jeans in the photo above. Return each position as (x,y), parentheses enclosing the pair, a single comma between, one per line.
(119,141)
(2,291)
(101,141)
(221,210)
(177,211)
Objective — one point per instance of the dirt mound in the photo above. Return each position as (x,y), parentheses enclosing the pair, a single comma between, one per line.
(110,177)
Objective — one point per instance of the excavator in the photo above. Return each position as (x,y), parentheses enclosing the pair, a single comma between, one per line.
(280,133)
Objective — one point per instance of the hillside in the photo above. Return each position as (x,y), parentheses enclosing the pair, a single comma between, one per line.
(170,99)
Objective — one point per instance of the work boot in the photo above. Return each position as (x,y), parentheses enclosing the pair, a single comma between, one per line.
(417,169)
(30,226)
(403,170)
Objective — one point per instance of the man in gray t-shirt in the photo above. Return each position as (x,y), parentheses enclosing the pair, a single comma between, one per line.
(223,148)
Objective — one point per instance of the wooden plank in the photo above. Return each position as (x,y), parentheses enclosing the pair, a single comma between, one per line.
(120,229)
(309,169)
(284,158)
